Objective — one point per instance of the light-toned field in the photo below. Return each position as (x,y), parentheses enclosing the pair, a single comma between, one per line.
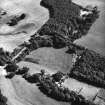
(36,16)
(20,92)
(88,91)
(32,94)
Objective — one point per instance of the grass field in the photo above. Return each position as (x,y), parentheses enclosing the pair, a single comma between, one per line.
(20,92)
(53,58)
(88,91)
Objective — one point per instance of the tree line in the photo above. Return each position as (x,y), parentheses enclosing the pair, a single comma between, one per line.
(90,68)
(3,100)
(5,57)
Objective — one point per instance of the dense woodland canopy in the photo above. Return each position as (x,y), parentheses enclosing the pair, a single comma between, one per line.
(65,19)
(90,68)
